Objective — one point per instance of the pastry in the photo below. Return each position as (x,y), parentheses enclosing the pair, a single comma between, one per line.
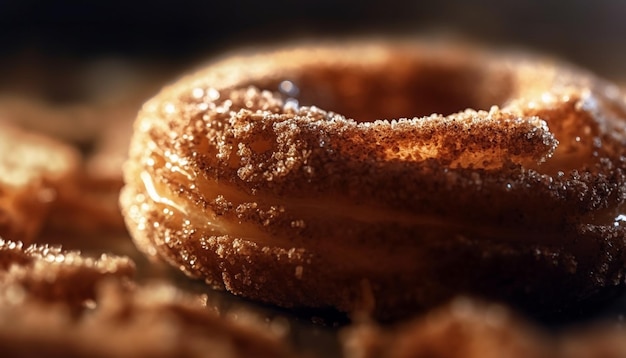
(282,176)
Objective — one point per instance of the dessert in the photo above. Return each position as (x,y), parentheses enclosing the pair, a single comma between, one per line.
(62,303)
(461,328)
(52,274)
(468,328)
(34,170)
(284,177)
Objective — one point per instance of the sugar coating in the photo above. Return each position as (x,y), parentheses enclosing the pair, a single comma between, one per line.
(56,275)
(506,161)
(58,302)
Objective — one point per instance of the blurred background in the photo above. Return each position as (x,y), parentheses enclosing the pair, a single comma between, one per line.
(590,33)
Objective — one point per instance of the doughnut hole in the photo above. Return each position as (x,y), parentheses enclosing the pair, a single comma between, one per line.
(404,90)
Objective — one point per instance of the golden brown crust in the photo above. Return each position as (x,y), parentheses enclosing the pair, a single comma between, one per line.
(238,178)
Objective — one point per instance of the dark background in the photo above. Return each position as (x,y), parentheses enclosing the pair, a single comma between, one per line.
(590,33)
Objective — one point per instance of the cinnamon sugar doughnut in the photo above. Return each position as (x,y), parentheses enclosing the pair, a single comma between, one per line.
(461,328)
(34,169)
(283,177)
(99,133)
(59,303)
(466,328)
(51,274)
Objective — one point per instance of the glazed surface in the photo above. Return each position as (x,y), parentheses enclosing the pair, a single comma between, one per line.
(284,177)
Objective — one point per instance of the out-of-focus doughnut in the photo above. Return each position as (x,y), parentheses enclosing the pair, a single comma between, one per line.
(99,132)
(93,111)
(89,207)
(461,328)
(239,177)
(33,169)
(58,303)
(151,321)
(467,328)
(52,274)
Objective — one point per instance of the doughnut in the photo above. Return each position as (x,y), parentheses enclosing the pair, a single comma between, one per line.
(461,328)
(468,328)
(92,112)
(99,133)
(34,170)
(89,207)
(55,302)
(385,177)
(56,275)
(147,321)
